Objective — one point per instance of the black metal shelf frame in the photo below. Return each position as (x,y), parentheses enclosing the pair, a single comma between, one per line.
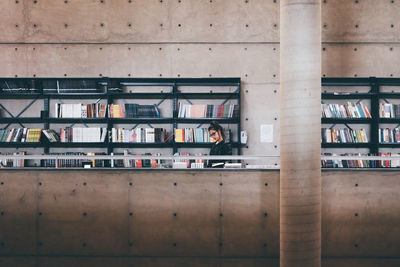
(110,89)
(374,95)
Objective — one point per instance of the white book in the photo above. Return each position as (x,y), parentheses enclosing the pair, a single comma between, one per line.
(84,111)
(114,135)
(138,135)
(103,135)
(75,132)
(181,110)
(16,135)
(126,135)
(70,110)
(97,133)
(24,134)
(62,111)
(82,134)
(231,110)
(188,111)
(150,135)
(77,110)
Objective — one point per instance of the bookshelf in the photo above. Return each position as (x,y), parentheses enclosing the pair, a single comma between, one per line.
(109,91)
(376,91)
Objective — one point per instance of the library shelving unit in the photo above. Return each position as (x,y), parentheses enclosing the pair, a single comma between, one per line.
(110,90)
(374,95)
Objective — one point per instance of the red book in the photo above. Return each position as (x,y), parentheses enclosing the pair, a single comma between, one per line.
(220,111)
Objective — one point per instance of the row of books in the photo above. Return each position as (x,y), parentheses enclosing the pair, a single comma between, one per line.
(11,162)
(98,110)
(360,163)
(116,135)
(74,163)
(136,163)
(120,163)
(349,110)
(20,135)
(78,135)
(197,135)
(389,135)
(95,110)
(331,135)
(113,163)
(133,111)
(389,110)
(186,163)
(208,111)
(138,135)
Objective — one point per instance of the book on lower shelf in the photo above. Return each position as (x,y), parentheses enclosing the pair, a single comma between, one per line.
(361,163)
(387,135)
(187,163)
(13,163)
(198,135)
(346,135)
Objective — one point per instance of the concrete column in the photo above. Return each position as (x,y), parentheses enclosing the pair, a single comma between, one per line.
(300,133)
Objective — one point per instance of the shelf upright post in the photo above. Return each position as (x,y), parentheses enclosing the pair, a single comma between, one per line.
(239,148)
(46,112)
(110,100)
(174,115)
(374,126)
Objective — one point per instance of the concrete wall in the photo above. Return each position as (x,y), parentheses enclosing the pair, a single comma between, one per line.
(209,218)
(191,38)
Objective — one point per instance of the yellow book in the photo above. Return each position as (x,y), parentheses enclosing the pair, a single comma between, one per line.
(116,111)
(179,134)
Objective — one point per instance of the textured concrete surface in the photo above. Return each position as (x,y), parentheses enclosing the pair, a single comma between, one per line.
(121,217)
(53,38)
(69,40)
(300,128)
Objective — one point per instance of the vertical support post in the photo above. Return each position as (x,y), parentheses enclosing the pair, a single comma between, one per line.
(300,133)
(239,126)
(374,126)
(174,114)
(46,109)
